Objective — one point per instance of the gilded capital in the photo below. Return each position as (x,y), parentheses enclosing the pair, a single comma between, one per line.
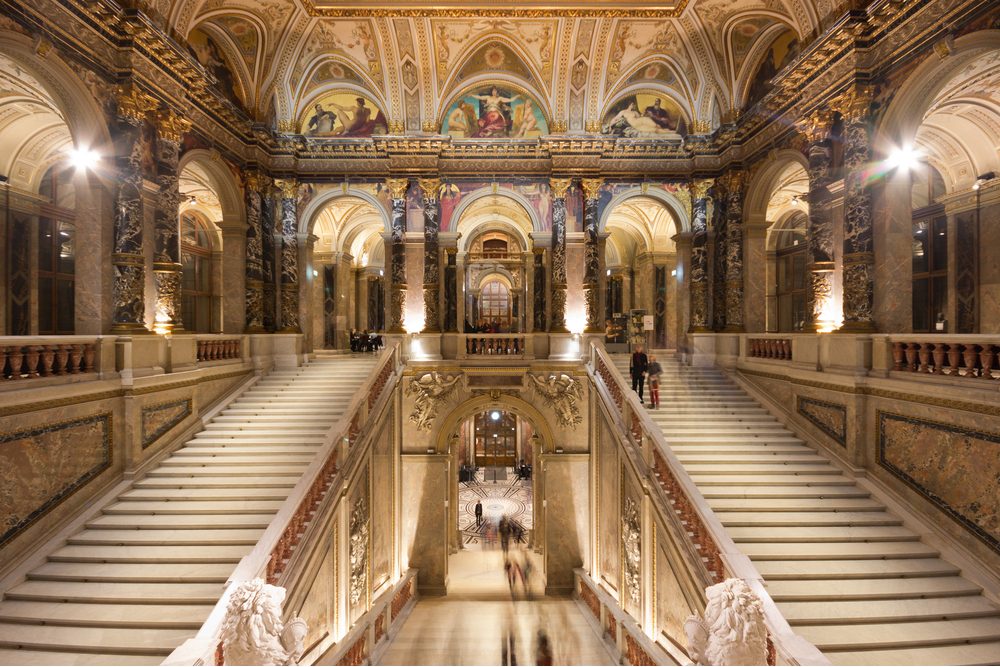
(289,187)
(397,187)
(816,126)
(700,187)
(732,180)
(430,187)
(170,126)
(591,187)
(397,127)
(133,102)
(560,186)
(854,105)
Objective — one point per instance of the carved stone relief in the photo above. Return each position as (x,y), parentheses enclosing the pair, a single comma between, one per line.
(430,390)
(631,549)
(562,393)
(359,549)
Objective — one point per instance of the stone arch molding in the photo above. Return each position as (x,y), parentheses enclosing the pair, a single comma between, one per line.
(472,197)
(228,190)
(307,217)
(762,184)
(495,399)
(679,213)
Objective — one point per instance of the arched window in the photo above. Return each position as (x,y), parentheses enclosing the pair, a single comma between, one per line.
(57,253)
(929,249)
(791,258)
(494,304)
(196,281)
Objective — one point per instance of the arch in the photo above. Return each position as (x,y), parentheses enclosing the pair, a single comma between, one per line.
(478,404)
(762,183)
(224,183)
(905,113)
(307,217)
(643,88)
(502,80)
(677,210)
(463,58)
(475,195)
(499,274)
(465,242)
(625,84)
(300,92)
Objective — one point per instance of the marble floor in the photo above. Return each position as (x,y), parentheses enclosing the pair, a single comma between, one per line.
(469,625)
(508,497)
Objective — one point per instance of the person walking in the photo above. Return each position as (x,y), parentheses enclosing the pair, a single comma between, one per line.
(543,649)
(637,369)
(479,513)
(653,372)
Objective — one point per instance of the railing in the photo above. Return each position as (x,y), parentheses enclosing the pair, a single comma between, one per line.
(639,649)
(214,348)
(679,496)
(43,357)
(770,348)
(277,547)
(501,345)
(967,356)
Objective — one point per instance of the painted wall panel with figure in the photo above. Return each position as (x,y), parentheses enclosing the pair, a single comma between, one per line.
(495,112)
(343,114)
(645,115)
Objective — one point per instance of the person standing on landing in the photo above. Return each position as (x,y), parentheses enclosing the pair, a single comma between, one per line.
(637,369)
(653,371)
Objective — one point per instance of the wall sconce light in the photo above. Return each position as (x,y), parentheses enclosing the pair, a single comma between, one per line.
(982,179)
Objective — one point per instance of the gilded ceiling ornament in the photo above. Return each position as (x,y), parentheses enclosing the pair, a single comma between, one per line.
(592,126)
(133,102)
(430,187)
(560,186)
(430,126)
(397,187)
(289,187)
(700,187)
(170,126)
(558,127)
(591,187)
(397,127)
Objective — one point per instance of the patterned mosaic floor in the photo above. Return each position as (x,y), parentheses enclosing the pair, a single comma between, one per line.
(509,497)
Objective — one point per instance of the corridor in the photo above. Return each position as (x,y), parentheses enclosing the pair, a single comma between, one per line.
(467,626)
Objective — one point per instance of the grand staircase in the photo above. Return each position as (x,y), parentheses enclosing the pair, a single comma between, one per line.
(845,572)
(143,574)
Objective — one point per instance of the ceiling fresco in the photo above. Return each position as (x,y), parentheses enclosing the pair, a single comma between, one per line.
(412,59)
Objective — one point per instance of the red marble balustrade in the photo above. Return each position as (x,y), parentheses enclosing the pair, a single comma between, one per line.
(217,349)
(770,348)
(950,358)
(24,362)
(503,345)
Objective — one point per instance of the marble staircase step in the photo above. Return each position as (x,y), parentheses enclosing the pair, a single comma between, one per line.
(816,491)
(206,573)
(813,534)
(181,521)
(895,611)
(215,553)
(108,593)
(188,616)
(869,589)
(830,477)
(40,657)
(833,550)
(775,468)
(167,537)
(244,460)
(204,494)
(244,482)
(885,568)
(980,653)
(760,519)
(760,504)
(127,506)
(890,635)
(222,469)
(140,641)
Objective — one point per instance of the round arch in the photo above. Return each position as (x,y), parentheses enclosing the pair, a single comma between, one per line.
(906,112)
(498,274)
(478,404)
(229,192)
(761,185)
(491,78)
(660,59)
(475,195)
(464,242)
(307,217)
(678,211)
(307,100)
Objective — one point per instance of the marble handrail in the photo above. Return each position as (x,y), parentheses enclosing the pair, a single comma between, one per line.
(25,358)
(276,548)
(498,344)
(709,539)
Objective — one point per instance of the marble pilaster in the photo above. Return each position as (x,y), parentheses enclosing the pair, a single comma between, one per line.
(734,252)
(254,293)
(698,274)
(396,298)
(557,315)
(233,278)
(167,247)
(289,293)
(820,237)
(592,253)
(271,242)
(430,189)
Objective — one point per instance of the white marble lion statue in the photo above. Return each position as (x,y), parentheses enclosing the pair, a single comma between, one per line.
(732,631)
(253,633)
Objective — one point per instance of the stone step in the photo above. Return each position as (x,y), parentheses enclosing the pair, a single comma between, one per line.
(984,653)
(885,568)
(140,641)
(878,611)
(834,550)
(761,519)
(221,470)
(215,553)
(208,573)
(816,491)
(831,477)
(113,593)
(776,468)
(817,590)
(825,504)
(243,482)
(892,635)
(240,448)
(736,459)
(37,657)
(128,506)
(167,537)
(204,494)
(203,439)
(814,534)
(713,440)
(189,617)
(245,460)
(181,521)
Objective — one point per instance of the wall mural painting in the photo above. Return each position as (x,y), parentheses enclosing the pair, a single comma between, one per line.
(534,190)
(343,114)
(783,50)
(645,115)
(495,112)
(210,56)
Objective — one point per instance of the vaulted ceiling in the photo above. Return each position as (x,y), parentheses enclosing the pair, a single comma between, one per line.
(410,58)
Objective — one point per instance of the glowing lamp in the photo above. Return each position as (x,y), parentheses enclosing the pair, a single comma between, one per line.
(905,158)
(83,158)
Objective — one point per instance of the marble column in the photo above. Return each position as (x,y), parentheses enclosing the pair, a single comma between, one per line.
(170,129)
(820,237)
(592,253)
(859,251)
(271,242)
(254,293)
(451,291)
(397,255)
(129,279)
(557,316)
(734,251)
(289,297)
(538,290)
(698,273)
(430,189)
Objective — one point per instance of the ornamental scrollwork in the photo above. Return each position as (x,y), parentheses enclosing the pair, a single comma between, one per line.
(562,393)
(632,548)
(359,549)
(430,390)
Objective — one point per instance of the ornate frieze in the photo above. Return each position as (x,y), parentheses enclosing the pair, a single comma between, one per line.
(429,390)
(631,551)
(563,394)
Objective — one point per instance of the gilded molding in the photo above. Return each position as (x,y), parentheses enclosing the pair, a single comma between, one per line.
(170,126)
(591,187)
(560,186)
(397,187)
(700,187)
(289,187)
(134,103)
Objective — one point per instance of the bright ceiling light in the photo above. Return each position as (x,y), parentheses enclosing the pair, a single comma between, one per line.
(495,416)
(905,158)
(83,158)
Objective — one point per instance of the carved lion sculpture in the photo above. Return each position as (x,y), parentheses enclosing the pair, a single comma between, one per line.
(253,633)
(732,631)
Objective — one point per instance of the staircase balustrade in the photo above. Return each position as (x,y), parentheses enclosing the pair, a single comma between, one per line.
(969,356)
(676,494)
(314,495)
(217,349)
(770,348)
(30,358)
(500,345)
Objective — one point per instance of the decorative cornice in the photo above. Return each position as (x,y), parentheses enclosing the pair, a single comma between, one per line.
(854,105)
(134,103)
(170,126)
(816,126)
(648,9)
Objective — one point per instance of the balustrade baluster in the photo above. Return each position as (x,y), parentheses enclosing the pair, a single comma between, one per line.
(986,361)
(954,358)
(969,356)
(3,361)
(75,356)
(924,356)
(31,354)
(938,356)
(897,356)
(911,356)
(16,361)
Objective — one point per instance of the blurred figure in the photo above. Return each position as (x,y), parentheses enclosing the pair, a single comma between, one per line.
(653,372)
(479,513)
(543,649)
(508,643)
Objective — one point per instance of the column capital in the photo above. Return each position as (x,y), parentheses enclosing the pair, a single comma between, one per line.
(855,103)
(591,187)
(559,186)
(133,103)
(430,187)
(255,180)
(397,187)
(170,126)
(700,187)
(289,187)
(816,126)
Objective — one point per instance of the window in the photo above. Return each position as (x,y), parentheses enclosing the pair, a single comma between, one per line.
(930,272)
(196,279)
(56,276)
(495,303)
(792,255)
